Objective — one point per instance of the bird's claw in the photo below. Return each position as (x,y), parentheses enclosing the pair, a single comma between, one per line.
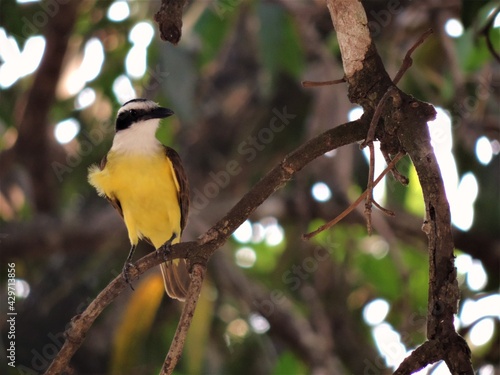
(125,272)
(166,248)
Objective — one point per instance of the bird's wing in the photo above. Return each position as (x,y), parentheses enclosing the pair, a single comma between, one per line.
(181,176)
(113,200)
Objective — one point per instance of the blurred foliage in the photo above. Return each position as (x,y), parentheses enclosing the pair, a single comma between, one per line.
(238,64)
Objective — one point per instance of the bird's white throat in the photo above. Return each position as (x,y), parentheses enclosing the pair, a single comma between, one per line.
(139,138)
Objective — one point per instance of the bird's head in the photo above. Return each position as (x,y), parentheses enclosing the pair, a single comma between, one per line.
(137,110)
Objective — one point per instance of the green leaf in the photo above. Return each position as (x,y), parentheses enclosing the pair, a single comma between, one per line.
(279,41)
(164,133)
(418,281)
(289,364)
(473,51)
(381,274)
(212,28)
(414,201)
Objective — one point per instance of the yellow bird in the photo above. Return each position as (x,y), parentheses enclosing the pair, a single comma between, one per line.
(146,183)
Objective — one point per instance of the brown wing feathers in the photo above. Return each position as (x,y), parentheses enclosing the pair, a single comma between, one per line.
(180,174)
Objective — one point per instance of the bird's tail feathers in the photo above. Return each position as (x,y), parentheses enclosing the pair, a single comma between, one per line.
(176,278)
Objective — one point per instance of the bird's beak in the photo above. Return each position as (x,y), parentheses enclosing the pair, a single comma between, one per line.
(161,112)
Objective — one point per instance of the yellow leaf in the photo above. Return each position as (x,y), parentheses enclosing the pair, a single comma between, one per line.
(136,323)
(197,337)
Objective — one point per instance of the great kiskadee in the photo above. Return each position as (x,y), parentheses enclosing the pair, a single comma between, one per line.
(146,183)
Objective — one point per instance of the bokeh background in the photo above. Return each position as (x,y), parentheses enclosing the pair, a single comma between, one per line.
(344,302)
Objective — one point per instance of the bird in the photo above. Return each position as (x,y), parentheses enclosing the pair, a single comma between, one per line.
(146,183)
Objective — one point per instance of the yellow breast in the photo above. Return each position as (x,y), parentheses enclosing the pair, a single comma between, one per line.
(147,189)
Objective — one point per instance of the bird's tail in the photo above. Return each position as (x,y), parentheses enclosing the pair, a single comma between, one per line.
(176,278)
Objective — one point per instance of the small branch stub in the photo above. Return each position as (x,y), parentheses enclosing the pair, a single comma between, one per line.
(169,19)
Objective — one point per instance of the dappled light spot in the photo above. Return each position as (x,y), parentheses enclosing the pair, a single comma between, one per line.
(375,311)
(376,246)
(355,114)
(379,191)
(22,288)
(463,262)
(65,131)
(85,98)
(123,89)
(258,323)
(274,234)
(245,257)
(472,310)
(477,277)
(88,70)
(321,192)
(118,11)
(463,210)
(136,61)
(482,332)
(454,28)
(238,328)
(487,369)
(17,64)
(496,21)
(244,232)
(484,150)
(258,232)
(389,344)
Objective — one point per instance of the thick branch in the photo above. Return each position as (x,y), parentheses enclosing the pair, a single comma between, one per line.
(403,127)
(350,22)
(364,70)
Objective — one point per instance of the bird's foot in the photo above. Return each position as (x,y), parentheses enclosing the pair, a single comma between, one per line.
(166,248)
(125,272)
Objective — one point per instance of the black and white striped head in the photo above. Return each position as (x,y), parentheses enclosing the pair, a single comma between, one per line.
(136,125)
(137,110)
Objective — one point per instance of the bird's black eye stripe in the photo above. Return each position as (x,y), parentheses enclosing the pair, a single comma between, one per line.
(127,118)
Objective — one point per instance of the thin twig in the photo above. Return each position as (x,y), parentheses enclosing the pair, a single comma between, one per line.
(383,209)
(322,83)
(403,180)
(331,223)
(489,43)
(408,61)
(175,351)
(370,136)
(485,31)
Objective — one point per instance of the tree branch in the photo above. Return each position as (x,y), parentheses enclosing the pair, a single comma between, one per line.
(403,127)
(175,351)
(198,252)
(169,19)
